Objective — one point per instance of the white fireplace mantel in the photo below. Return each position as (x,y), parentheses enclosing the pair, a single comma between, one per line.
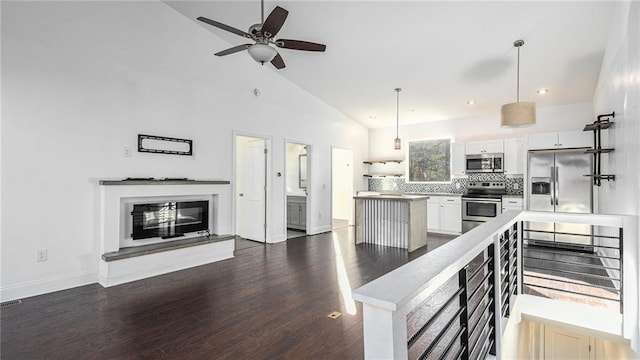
(114,194)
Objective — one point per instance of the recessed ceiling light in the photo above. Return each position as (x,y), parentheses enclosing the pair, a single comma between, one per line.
(471,102)
(372,117)
(542,91)
(414,110)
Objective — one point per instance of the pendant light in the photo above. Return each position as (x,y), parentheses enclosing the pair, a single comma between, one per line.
(397,142)
(518,114)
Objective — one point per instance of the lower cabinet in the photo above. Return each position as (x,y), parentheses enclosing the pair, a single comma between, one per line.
(444,214)
(512,203)
(297,212)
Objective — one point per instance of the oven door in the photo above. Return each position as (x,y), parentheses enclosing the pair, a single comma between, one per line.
(474,209)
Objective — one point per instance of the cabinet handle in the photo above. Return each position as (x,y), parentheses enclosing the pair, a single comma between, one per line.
(511,202)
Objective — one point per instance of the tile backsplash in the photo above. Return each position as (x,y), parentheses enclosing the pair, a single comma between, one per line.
(399,185)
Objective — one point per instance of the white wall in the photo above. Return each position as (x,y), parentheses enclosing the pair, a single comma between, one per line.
(619,90)
(557,118)
(80,80)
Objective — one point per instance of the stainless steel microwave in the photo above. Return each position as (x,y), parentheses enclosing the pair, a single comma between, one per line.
(485,163)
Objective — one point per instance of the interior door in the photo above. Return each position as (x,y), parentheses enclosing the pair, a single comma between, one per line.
(250,190)
(562,344)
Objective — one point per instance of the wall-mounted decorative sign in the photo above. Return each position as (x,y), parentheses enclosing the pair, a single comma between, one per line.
(164,145)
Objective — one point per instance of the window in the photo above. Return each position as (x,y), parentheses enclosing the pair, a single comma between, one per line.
(429,160)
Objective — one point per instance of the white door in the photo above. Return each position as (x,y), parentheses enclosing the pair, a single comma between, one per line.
(342,203)
(250,189)
(562,344)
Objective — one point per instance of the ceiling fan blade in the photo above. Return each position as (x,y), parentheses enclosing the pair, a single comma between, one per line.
(300,45)
(278,62)
(274,21)
(232,50)
(224,27)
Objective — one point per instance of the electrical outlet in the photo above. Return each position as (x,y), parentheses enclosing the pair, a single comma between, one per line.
(457,185)
(516,186)
(127,151)
(41,255)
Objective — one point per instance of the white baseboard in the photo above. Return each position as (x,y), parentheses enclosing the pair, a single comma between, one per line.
(277,239)
(319,230)
(136,268)
(43,286)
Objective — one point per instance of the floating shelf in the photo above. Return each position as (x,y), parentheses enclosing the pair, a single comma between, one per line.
(371,162)
(601,151)
(382,175)
(602,176)
(598,125)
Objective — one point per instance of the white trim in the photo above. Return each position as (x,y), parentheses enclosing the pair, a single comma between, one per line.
(319,229)
(47,285)
(268,140)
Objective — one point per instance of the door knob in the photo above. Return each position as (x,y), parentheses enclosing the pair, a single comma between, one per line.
(241,194)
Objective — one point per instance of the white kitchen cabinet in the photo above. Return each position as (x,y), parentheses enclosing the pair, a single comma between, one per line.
(481,147)
(297,212)
(560,140)
(561,343)
(444,214)
(459,159)
(433,213)
(512,203)
(513,157)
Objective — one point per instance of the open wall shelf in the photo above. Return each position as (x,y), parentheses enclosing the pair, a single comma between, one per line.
(603,122)
(371,162)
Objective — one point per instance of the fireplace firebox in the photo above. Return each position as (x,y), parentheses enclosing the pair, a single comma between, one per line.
(169,219)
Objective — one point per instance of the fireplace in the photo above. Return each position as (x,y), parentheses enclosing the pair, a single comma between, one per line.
(169,219)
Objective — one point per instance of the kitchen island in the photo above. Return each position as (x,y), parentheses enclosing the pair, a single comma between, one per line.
(395,220)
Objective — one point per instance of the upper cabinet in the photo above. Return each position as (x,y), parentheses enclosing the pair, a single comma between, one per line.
(481,147)
(459,157)
(559,140)
(513,157)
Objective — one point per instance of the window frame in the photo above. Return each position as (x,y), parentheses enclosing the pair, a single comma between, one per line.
(408,162)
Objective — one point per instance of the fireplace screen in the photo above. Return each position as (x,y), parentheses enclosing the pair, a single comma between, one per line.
(169,219)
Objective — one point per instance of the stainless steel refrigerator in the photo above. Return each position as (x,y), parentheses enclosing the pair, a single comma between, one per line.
(556,183)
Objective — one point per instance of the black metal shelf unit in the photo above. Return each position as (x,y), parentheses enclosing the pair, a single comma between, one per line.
(603,122)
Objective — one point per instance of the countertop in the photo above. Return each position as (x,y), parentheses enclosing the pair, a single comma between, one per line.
(517,196)
(408,197)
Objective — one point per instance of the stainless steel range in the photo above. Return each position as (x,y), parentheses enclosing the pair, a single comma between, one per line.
(481,203)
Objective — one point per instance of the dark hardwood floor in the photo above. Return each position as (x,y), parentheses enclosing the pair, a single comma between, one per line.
(269,302)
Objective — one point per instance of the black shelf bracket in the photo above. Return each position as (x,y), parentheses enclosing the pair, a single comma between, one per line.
(603,122)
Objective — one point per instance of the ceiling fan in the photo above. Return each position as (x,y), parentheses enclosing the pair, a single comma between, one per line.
(262,34)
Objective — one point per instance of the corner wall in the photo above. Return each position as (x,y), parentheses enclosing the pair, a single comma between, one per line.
(619,90)
(80,80)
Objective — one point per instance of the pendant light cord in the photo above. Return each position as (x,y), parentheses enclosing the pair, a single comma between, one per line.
(262,11)
(518,78)
(397,112)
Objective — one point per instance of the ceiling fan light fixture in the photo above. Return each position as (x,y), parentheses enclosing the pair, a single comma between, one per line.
(518,114)
(262,53)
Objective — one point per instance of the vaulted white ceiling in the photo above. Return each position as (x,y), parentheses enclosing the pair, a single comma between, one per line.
(440,53)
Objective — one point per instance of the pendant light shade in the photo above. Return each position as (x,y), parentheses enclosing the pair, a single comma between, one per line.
(518,114)
(397,143)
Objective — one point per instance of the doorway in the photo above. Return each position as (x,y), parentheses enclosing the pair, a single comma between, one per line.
(250,194)
(296,188)
(341,187)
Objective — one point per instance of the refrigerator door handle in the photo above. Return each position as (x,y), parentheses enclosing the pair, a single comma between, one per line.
(553,185)
(557,187)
